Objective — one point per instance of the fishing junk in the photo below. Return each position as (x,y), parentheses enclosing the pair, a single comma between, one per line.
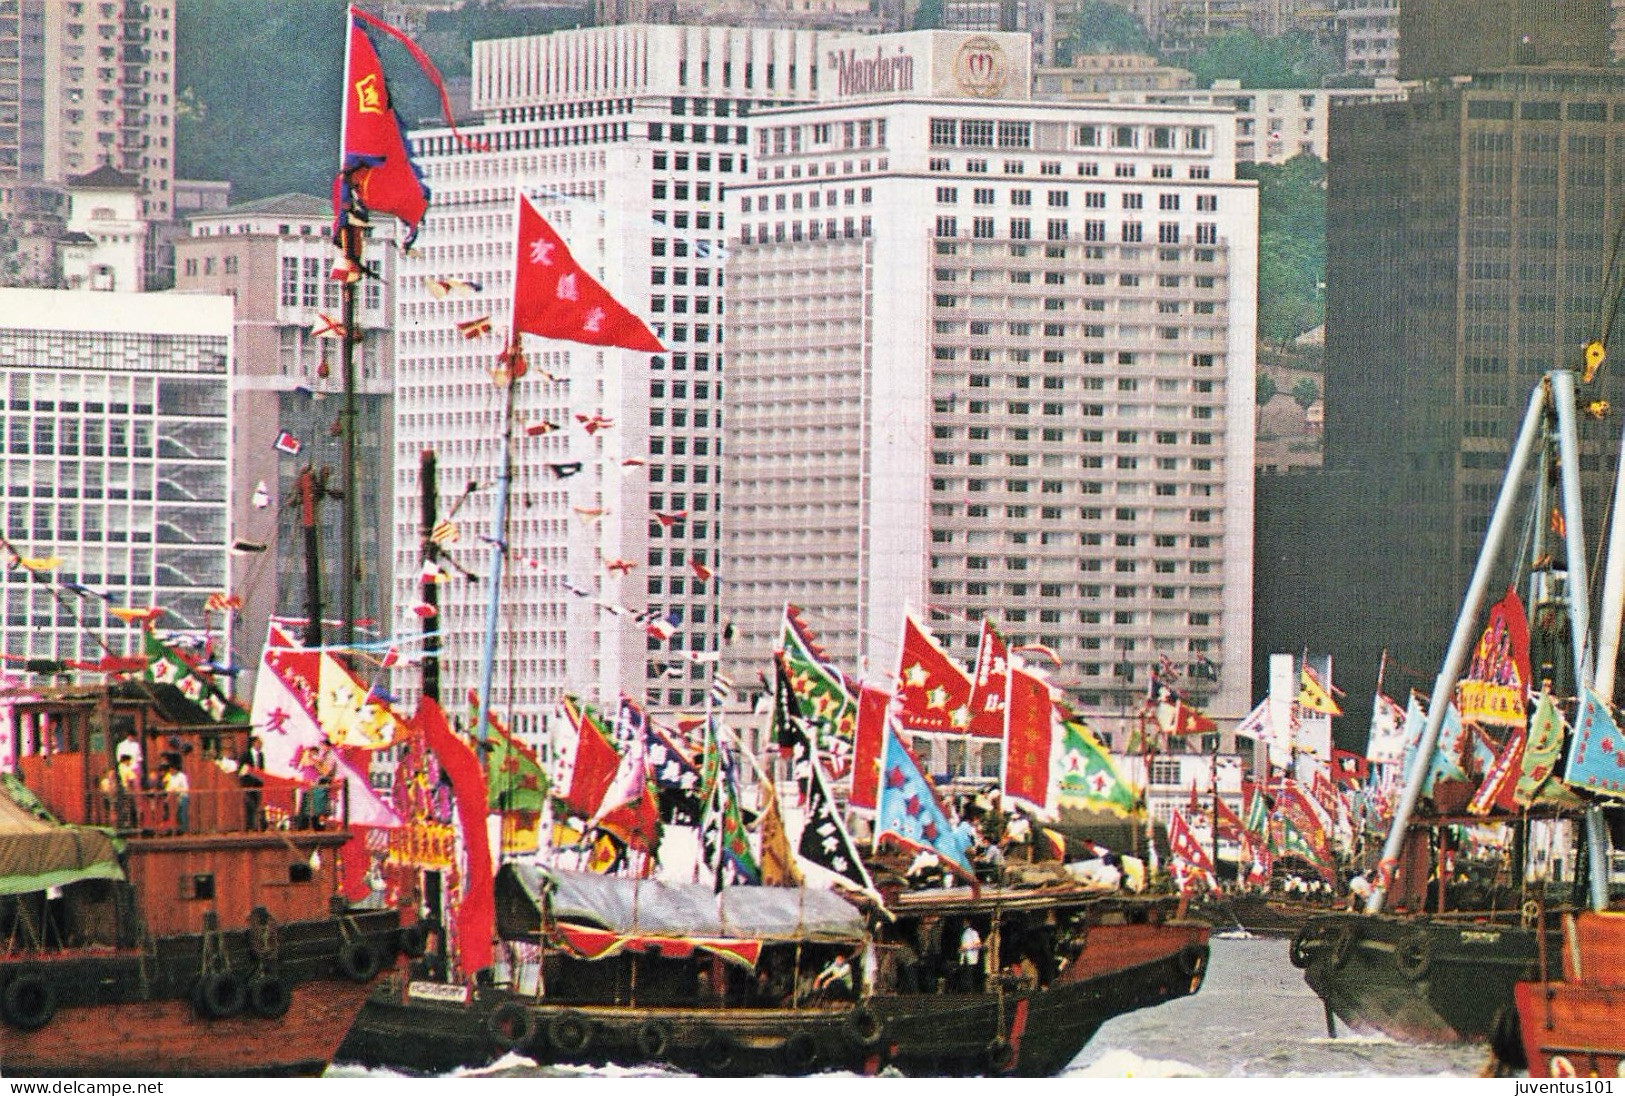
(146,931)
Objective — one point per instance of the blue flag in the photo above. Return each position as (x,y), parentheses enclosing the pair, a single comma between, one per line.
(1447,754)
(908,810)
(1597,756)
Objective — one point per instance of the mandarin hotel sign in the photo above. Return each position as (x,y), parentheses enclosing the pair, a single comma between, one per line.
(877,74)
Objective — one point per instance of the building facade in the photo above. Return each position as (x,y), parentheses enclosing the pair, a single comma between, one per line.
(1467,233)
(992,357)
(272,259)
(625,138)
(117,426)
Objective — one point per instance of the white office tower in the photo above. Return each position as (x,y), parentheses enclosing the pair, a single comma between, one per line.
(118,423)
(993,357)
(625,137)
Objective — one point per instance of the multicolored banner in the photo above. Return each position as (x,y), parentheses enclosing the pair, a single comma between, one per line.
(1084,774)
(1494,691)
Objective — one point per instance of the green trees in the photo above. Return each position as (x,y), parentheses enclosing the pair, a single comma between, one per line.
(1291,246)
(1266,389)
(1290,61)
(1305,392)
(1105,28)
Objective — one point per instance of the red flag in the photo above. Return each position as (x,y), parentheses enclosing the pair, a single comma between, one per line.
(701,571)
(1349,767)
(637,823)
(375,168)
(555,298)
(933,692)
(872,705)
(1229,825)
(1027,745)
(595,764)
(476,912)
(989,685)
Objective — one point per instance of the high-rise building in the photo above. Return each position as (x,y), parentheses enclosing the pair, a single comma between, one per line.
(117,420)
(992,357)
(88,84)
(1467,235)
(1452,37)
(625,138)
(272,259)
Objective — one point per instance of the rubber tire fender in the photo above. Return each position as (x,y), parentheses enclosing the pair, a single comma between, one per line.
(263,942)
(719,1051)
(221,995)
(29,1002)
(800,1053)
(269,996)
(570,1033)
(1413,955)
(1344,937)
(1192,960)
(359,960)
(653,1039)
(511,1025)
(1299,952)
(865,1027)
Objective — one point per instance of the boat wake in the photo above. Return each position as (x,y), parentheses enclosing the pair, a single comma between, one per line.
(1125,1063)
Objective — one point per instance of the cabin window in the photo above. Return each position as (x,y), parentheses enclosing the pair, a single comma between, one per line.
(299,872)
(199,886)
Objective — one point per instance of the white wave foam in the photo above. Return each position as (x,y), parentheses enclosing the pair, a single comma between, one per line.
(1125,1063)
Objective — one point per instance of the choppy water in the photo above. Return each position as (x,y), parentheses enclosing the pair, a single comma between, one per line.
(1254,1017)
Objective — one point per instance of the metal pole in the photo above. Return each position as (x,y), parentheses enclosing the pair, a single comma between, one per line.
(499,546)
(1613,592)
(429,516)
(1568,448)
(1597,848)
(1460,642)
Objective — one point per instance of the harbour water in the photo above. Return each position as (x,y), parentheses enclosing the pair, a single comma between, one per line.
(1254,1017)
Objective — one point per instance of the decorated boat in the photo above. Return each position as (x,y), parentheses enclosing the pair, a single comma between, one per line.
(1480,862)
(146,931)
(638,972)
(1571,1026)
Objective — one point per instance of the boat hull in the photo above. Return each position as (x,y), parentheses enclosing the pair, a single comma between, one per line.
(1576,1027)
(1032,1033)
(1416,979)
(145,1013)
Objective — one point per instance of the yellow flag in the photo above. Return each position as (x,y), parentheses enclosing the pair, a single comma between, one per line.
(1312,695)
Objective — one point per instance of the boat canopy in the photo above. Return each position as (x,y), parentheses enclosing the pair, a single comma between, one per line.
(651,908)
(37,852)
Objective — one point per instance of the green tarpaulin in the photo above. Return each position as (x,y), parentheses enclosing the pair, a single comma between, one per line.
(37,852)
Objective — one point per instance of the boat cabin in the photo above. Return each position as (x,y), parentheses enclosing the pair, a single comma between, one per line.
(204,841)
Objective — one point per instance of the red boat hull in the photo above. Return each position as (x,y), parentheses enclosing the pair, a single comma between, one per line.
(167,1038)
(1576,1027)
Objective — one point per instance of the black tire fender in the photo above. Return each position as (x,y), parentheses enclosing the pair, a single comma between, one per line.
(263,942)
(221,995)
(653,1039)
(1343,941)
(570,1033)
(800,1052)
(866,1028)
(1413,955)
(1192,960)
(359,960)
(718,1052)
(269,996)
(29,1002)
(511,1025)
(1299,952)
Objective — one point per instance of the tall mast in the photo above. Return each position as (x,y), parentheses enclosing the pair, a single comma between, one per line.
(1462,639)
(313,570)
(350,237)
(498,537)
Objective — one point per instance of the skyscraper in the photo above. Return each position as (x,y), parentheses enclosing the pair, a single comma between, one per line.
(117,419)
(625,137)
(993,358)
(1467,232)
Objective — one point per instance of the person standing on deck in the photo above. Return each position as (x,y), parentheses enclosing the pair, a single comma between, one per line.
(970,959)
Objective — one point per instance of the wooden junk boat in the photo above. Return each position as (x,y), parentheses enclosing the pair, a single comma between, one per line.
(139,937)
(644,972)
(1571,1026)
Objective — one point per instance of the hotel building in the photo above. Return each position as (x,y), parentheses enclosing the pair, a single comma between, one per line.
(993,357)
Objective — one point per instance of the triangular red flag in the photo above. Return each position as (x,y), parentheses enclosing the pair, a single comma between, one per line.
(701,571)
(555,298)
(933,693)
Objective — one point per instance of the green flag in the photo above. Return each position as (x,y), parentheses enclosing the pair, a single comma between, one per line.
(513,774)
(1540,756)
(166,667)
(1087,777)
(825,701)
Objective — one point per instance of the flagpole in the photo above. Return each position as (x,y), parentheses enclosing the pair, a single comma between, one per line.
(499,523)
(350,241)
